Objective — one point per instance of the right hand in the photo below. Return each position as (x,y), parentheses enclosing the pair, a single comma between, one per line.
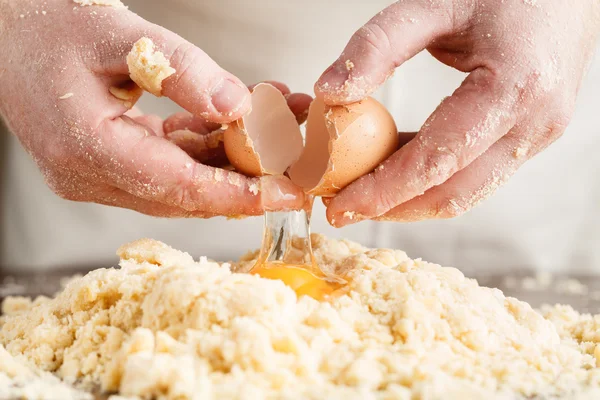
(90,146)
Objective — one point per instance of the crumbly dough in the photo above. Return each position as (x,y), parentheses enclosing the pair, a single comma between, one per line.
(164,325)
(148,67)
(17,381)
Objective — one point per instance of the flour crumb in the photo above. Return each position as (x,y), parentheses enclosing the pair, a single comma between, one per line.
(148,67)
(349,65)
(349,214)
(520,152)
(533,3)
(66,96)
(219,175)
(111,3)
(253,188)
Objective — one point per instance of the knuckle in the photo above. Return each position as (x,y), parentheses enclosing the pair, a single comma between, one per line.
(450,208)
(555,127)
(375,38)
(556,122)
(387,199)
(187,58)
(440,164)
(562,116)
(180,195)
(560,122)
(539,83)
(188,191)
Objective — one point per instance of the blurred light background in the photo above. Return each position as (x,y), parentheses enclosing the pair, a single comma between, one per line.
(545,202)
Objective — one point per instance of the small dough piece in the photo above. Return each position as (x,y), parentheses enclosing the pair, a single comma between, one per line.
(111,3)
(148,67)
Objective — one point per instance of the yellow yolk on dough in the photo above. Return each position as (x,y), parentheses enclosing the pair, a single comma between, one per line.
(303,281)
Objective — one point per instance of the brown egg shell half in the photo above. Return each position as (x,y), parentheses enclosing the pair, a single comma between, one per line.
(267,140)
(343,143)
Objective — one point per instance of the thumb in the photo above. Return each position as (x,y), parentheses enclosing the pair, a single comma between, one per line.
(385,42)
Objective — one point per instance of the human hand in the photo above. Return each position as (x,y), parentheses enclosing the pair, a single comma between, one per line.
(58,66)
(526,60)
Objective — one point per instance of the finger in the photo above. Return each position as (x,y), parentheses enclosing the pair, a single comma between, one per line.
(389,39)
(208,148)
(203,140)
(186,121)
(299,103)
(198,84)
(134,112)
(463,127)
(119,198)
(283,88)
(201,86)
(404,138)
(467,188)
(200,139)
(154,122)
(153,168)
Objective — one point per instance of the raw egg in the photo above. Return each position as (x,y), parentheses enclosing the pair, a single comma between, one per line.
(300,278)
(342,144)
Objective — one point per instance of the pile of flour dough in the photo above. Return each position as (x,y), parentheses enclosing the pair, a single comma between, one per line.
(164,326)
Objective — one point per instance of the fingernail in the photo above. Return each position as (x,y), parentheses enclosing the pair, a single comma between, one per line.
(229,97)
(333,79)
(279,194)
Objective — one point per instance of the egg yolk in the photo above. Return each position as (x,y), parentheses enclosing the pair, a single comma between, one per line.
(303,281)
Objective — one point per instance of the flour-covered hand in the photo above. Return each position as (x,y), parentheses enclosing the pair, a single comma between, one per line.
(66,93)
(525,59)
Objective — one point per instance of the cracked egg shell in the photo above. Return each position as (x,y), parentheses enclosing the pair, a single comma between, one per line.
(343,143)
(267,140)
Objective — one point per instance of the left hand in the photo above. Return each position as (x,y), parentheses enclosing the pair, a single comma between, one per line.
(526,61)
